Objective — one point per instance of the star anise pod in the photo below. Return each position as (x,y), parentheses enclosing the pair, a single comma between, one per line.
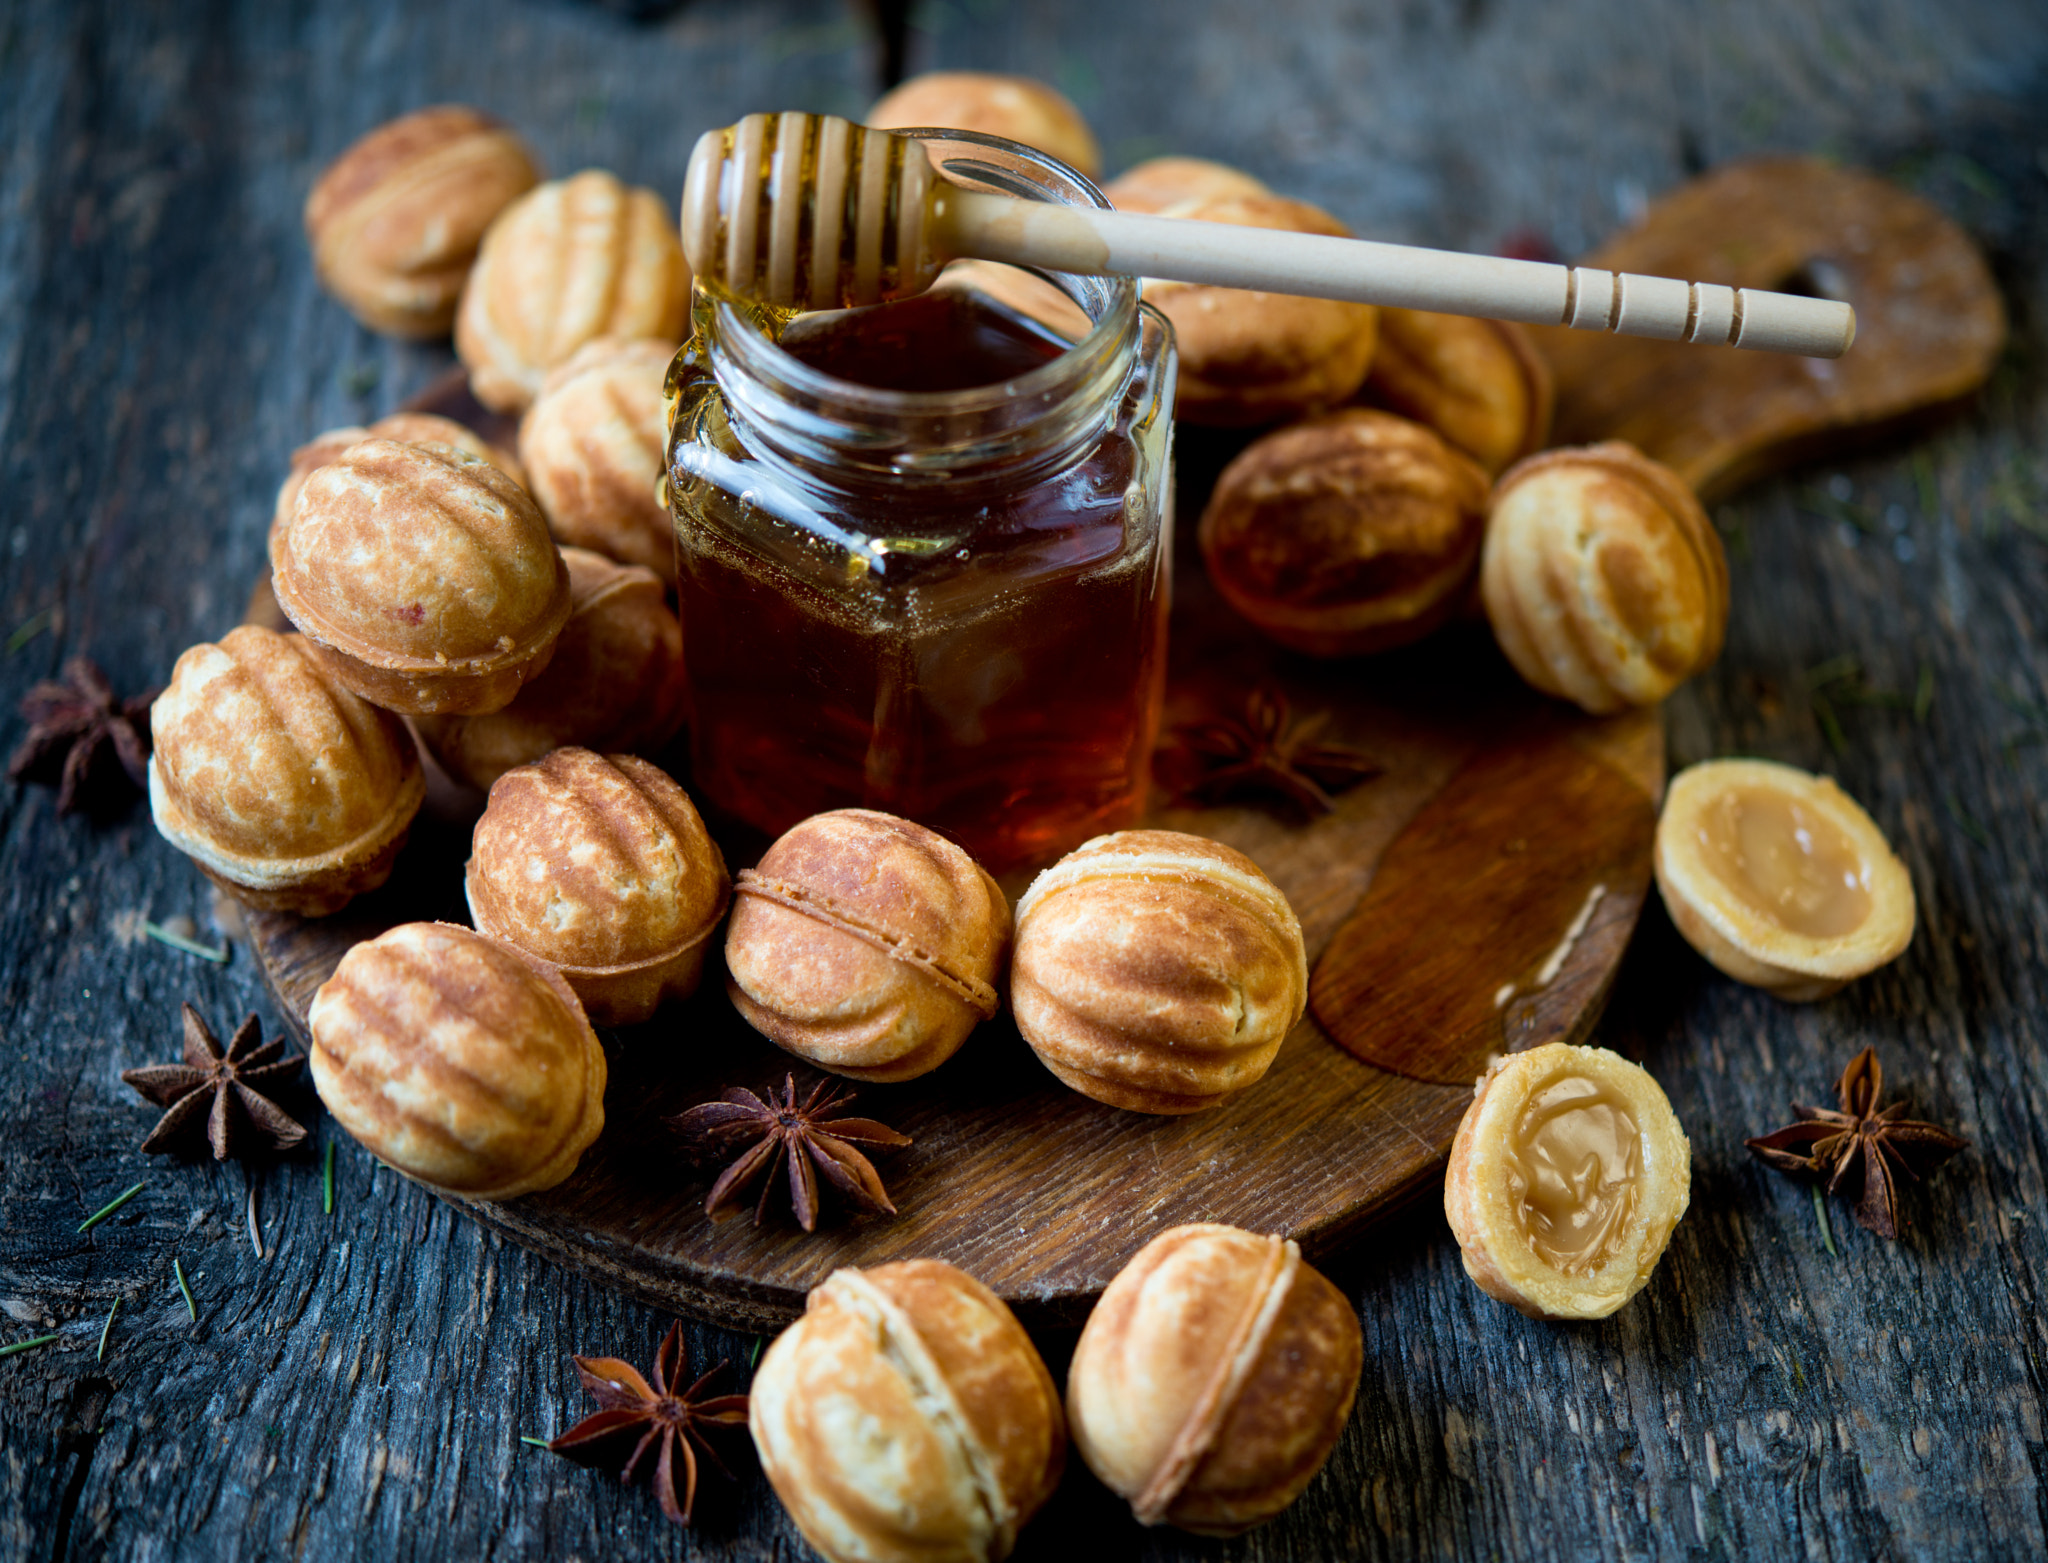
(805,1139)
(72,723)
(228,1092)
(1862,1146)
(636,1416)
(1266,753)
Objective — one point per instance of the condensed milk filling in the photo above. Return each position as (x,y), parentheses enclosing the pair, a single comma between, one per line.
(1572,1172)
(1786,860)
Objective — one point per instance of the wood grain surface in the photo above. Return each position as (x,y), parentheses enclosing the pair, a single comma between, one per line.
(1501,816)
(1781,1389)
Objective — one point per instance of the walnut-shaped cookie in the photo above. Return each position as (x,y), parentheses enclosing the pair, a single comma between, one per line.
(1017,108)
(409,428)
(1566,1177)
(1164,186)
(1157,970)
(1354,532)
(425,575)
(1481,384)
(867,944)
(1780,878)
(455,1060)
(614,684)
(593,449)
(1248,357)
(288,790)
(1603,578)
(571,261)
(599,866)
(1213,1379)
(906,1417)
(396,219)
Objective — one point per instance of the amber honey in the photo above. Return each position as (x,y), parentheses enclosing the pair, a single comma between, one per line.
(925,572)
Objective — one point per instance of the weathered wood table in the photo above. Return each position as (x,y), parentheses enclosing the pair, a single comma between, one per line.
(1787,1385)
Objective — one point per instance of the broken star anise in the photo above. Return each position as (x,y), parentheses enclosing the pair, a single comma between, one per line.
(805,1138)
(1267,753)
(1862,1146)
(636,1416)
(228,1092)
(72,723)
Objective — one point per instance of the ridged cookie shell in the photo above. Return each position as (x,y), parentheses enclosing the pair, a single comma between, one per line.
(456,1061)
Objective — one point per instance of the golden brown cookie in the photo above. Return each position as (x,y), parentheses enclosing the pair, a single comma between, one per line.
(1163,186)
(599,866)
(906,1417)
(1247,357)
(1016,108)
(1481,384)
(1566,1177)
(408,428)
(614,684)
(455,1060)
(571,261)
(426,575)
(396,219)
(866,944)
(1354,532)
(1603,578)
(1157,971)
(1213,1379)
(289,791)
(593,447)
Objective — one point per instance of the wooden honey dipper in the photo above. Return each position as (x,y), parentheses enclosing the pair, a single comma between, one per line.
(809,211)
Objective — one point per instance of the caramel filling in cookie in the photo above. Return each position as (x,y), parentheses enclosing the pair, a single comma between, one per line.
(1572,1172)
(1786,861)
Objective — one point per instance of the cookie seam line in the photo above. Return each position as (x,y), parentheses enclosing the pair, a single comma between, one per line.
(494,906)
(971,990)
(907,1353)
(284,873)
(1205,1417)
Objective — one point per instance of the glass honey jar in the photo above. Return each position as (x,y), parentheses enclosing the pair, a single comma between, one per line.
(923,550)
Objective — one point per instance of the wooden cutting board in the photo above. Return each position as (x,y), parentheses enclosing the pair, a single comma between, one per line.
(1474,897)
(1929,324)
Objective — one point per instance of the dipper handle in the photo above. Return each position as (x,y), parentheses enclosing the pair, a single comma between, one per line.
(810,211)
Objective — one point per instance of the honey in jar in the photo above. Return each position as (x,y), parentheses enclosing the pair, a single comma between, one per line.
(922,554)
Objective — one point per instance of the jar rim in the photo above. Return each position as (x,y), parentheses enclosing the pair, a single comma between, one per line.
(740,327)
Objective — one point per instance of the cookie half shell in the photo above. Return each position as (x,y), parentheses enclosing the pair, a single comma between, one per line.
(1780,878)
(1567,1175)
